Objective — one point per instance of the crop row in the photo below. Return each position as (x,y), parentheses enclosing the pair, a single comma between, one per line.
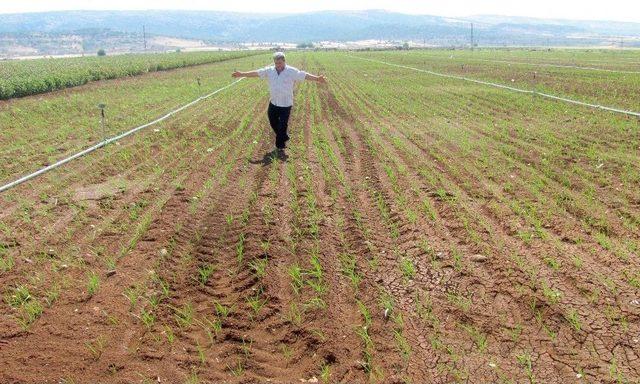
(23,78)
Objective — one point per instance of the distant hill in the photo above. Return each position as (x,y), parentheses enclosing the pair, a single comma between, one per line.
(90,29)
(599,27)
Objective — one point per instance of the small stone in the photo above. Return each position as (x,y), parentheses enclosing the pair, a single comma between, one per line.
(492,365)
(478,258)
(111,273)
(163,252)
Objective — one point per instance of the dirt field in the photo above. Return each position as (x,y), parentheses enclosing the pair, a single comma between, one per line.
(419,229)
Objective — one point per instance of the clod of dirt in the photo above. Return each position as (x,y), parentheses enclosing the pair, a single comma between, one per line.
(330,358)
(113,367)
(478,258)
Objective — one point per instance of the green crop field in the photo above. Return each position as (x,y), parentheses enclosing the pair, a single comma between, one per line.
(420,228)
(23,78)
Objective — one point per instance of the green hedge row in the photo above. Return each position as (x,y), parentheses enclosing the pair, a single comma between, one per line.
(30,77)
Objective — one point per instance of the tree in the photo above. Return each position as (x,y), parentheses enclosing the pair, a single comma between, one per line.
(101,52)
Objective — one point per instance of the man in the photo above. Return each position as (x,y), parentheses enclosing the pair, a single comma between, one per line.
(281,79)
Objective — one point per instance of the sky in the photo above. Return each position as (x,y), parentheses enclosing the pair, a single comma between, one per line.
(618,10)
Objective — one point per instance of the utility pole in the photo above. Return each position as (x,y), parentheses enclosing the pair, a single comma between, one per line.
(472,36)
(144,37)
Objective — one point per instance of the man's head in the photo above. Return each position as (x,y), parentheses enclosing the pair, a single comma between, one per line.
(278,60)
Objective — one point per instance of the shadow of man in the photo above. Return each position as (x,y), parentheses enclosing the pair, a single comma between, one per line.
(270,157)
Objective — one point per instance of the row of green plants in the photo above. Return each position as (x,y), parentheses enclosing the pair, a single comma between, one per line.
(29,77)
(614,89)
(40,131)
(62,267)
(168,320)
(460,179)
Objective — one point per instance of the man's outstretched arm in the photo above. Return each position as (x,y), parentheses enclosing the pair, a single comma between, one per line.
(319,79)
(245,74)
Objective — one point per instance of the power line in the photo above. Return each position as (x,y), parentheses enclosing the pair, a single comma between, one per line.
(472,36)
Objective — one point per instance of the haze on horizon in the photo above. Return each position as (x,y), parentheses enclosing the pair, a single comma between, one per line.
(614,10)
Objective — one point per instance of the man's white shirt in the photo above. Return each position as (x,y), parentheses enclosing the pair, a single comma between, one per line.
(281,85)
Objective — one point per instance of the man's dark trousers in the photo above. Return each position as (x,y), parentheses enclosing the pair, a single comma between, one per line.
(279,119)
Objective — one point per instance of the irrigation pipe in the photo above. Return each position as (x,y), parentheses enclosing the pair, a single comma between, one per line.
(547,95)
(110,140)
(556,66)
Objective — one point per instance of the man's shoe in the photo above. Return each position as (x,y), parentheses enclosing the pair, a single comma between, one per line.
(280,154)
